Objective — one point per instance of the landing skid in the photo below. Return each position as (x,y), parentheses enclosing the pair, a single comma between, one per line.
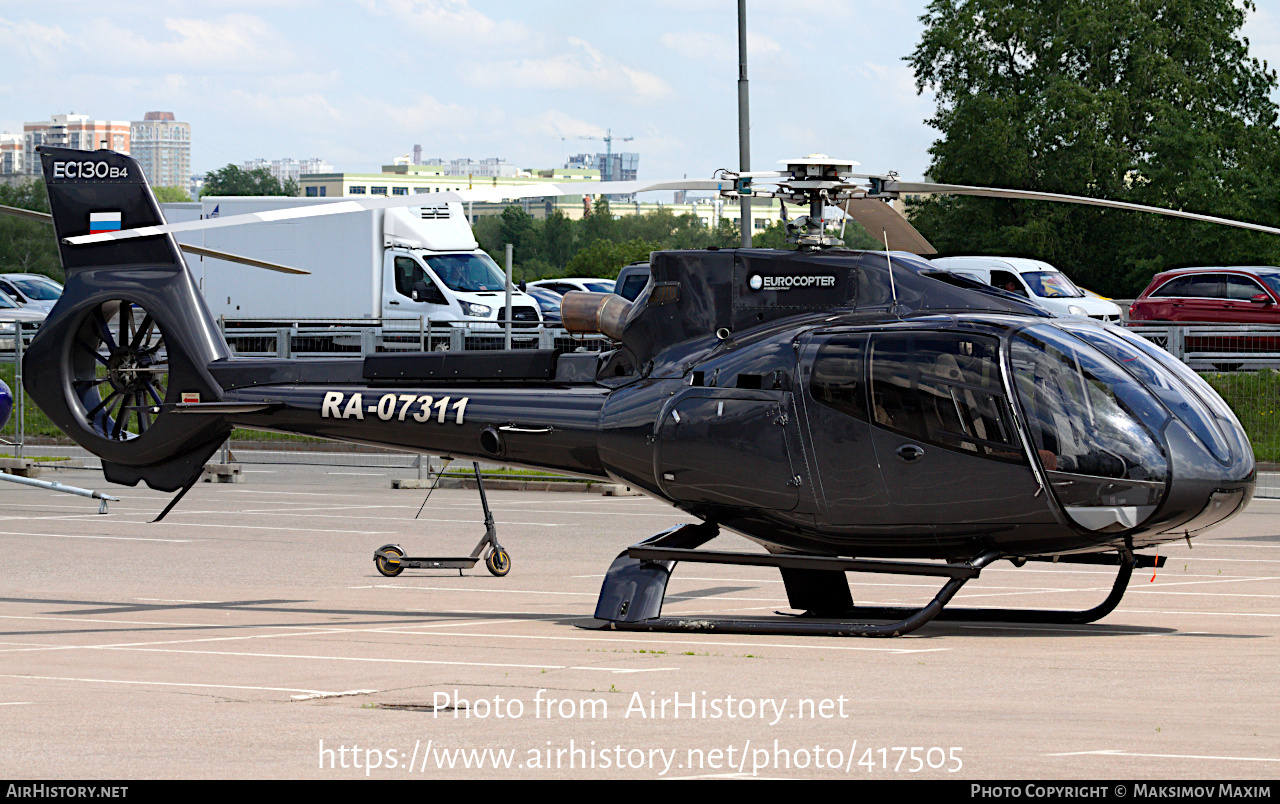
(635,585)
(390,559)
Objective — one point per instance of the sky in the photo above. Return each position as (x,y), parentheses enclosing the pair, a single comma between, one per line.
(359,83)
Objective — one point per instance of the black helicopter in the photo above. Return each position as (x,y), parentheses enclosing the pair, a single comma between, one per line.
(847,410)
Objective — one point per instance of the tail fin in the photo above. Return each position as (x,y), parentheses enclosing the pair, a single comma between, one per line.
(130,334)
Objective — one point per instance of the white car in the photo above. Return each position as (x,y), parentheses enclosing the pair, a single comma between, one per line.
(32,291)
(566,284)
(1038,281)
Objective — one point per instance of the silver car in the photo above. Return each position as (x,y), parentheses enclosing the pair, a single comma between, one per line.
(32,291)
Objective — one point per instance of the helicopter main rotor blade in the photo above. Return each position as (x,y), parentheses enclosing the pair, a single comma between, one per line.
(29,214)
(199,251)
(881,220)
(1031,195)
(420,200)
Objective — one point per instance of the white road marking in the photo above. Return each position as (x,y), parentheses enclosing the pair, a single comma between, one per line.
(16,703)
(1119,753)
(167,684)
(82,536)
(371,660)
(164,600)
(486,591)
(316,695)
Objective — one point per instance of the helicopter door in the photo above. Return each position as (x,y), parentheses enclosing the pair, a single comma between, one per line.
(849,482)
(729,447)
(944,434)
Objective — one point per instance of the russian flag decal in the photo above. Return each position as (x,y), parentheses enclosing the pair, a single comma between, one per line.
(104,222)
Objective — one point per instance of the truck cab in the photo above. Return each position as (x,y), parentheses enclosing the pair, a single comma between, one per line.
(433,267)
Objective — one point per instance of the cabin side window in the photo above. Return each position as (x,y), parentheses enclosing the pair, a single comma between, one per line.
(838,380)
(945,389)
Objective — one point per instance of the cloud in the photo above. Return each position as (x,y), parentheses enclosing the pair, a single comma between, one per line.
(31,41)
(234,43)
(702,46)
(451,23)
(554,123)
(898,79)
(581,67)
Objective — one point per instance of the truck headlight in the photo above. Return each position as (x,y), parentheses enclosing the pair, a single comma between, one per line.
(477,310)
(1076,309)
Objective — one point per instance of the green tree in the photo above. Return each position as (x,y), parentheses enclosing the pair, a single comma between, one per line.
(170,195)
(1151,101)
(234,180)
(515,226)
(599,225)
(558,239)
(605,258)
(28,246)
(773,236)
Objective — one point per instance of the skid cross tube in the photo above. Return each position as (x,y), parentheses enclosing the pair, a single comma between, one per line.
(392,556)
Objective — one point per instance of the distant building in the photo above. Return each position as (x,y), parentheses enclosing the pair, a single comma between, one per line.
(195,186)
(162,146)
(436,176)
(71,131)
(612,167)
(10,154)
(285,169)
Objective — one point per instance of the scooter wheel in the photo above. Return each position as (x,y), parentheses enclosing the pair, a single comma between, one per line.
(498,562)
(389,567)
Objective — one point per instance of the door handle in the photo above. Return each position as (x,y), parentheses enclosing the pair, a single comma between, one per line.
(910,452)
(393,301)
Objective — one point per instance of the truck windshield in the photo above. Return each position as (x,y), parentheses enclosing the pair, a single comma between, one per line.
(1051,285)
(467,272)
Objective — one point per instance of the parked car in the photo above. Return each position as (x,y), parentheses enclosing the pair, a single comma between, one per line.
(564,285)
(1036,280)
(32,291)
(631,280)
(1227,295)
(12,313)
(549,302)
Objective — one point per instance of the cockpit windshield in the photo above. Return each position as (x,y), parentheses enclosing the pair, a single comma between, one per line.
(1177,397)
(1093,426)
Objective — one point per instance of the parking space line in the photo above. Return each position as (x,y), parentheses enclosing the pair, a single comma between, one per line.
(86,536)
(370,659)
(166,684)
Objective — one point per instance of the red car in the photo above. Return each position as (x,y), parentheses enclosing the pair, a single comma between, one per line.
(1239,295)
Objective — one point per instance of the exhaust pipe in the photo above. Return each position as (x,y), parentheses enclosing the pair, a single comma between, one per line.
(591,313)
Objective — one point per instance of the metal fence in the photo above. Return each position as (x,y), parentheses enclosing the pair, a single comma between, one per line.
(1242,362)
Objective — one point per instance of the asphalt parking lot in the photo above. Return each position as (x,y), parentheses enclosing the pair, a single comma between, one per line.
(249,634)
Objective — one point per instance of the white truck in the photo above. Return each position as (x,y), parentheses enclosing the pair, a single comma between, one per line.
(399,265)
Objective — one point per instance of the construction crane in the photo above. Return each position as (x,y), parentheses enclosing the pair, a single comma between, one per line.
(608,149)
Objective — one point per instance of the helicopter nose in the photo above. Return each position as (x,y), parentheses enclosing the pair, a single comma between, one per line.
(1132,440)
(1204,490)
